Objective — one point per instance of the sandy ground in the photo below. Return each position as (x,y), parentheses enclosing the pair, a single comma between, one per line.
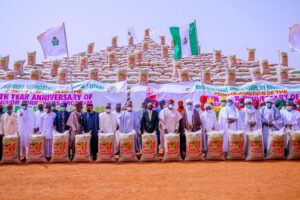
(180,180)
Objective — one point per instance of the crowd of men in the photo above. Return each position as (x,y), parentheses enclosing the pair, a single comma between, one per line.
(155,117)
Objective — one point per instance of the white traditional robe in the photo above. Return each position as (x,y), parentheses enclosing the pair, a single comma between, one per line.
(47,124)
(290,118)
(108,122)
(209,123)
(270,115)
(118,115)
(38,114)
(251,115)
(168,119)
(26,125)
(9,124)
(225,114)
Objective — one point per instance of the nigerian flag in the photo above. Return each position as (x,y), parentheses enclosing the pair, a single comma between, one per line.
(185,41)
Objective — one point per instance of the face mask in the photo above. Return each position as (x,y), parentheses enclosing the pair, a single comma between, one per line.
(241,104)
(9,111)
(40,108)
(269,105)
(48,110)
(107,110)
(223,103)
(170,106)
(24,107)
(298,106)
(52,107)
(129,109)
(230,104)
(249,106)
(289,108)
(150,108)
(63,108)
(189,107)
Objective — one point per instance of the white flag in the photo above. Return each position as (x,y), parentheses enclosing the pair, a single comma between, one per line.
(294,37)
(53,41)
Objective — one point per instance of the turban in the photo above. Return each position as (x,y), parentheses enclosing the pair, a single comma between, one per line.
(189,101)
(211,101)
(207,105)
(230,98)
(162,102)
(203,99)
(248,100)
(171,101)
(223,98)
(298,101)
(268,99)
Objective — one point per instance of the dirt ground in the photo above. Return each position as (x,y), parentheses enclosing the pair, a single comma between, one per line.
(178,180)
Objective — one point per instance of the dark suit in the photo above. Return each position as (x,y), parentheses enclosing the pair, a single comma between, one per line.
(148,125)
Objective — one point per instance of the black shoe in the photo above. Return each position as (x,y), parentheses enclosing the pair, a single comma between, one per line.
(23,160)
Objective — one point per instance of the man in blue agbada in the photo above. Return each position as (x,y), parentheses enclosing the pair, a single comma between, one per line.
(129,121)
(90,122)
(61,118)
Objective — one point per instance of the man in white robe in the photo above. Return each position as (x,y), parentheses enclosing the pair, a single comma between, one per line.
(47,127)
(130,121)
(271,120)
(38,115)
(169,121)
(229,119)
(26,126)
(108,124)
(209,123)
(291,119)
(251,117)
(118,112)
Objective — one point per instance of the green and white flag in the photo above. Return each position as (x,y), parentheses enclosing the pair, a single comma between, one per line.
(185,41)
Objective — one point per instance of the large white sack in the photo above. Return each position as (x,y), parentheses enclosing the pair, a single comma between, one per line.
(236,149)
(255,145)
(294,145)
(106,147)
(276,141)
(171,147)
(11,150)
(127,147)
(36,149)
(215,145)
(149,147)
(83,148)
(193,145)
(60,147)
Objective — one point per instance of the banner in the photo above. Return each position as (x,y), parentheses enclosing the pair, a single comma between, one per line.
(90,91)
(193,90)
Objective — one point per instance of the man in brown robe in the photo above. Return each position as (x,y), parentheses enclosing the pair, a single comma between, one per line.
(75,124)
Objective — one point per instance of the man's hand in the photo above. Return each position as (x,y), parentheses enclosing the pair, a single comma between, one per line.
(270,124)
(176,131)
(35,130)
(252,124)
(165,131)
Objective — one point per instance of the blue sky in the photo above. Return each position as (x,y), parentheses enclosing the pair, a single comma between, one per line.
(231,25)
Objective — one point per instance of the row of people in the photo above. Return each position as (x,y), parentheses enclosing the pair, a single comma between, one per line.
(162,120)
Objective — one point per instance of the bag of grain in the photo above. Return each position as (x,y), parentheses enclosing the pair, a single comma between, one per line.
(215,145)
(177,65)
(114,42)
(255,148)
(31,58)
(131,61)
(184,75)
(62,77)
(283,75)
(236,149)
(147,33)
(206,76)
(255,74)
(251,54)
(143,76)
(60,147)
(264,66)
(55,64)
(35,74)
(82,148)
(145,46)
(4,61)
(94,74)
(90,48)
(106,147)
(111,56)
(217,55)
(18,66)
(276,141)
(294,145)
(162,40)
(10,75)
(164,51)
(83,62)
(10,149)
(130,40)
(149,147)
(232,62)
(36,150)
(171,147)
(121,74)
(230,77)
(138,56)
(193,145)
(127,146)
(283,58)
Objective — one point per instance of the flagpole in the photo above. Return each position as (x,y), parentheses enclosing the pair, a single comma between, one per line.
(201,70)
(68,60)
